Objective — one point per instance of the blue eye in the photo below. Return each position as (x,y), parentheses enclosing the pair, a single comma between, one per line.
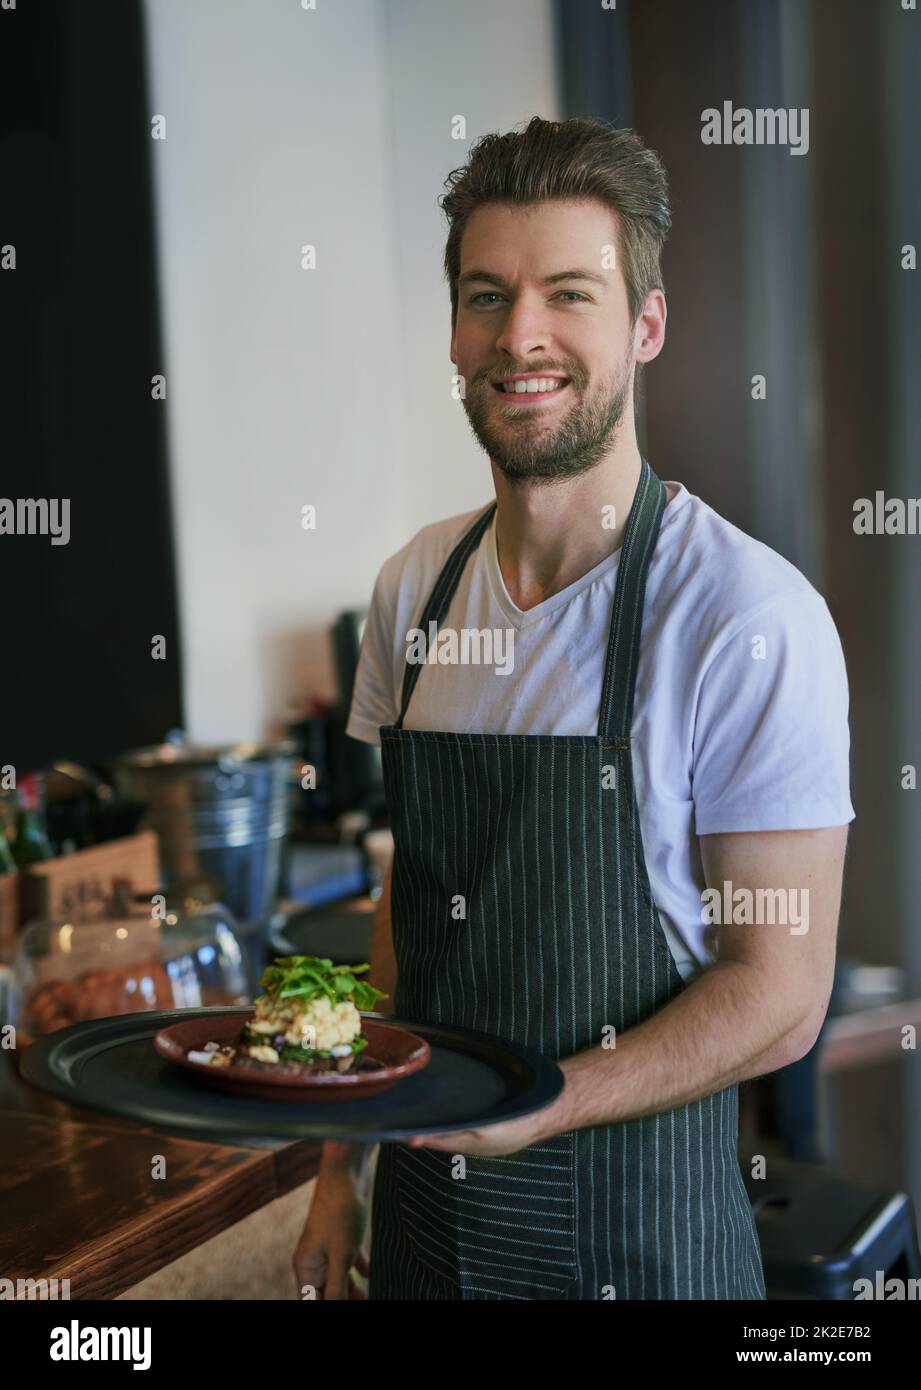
(574,295)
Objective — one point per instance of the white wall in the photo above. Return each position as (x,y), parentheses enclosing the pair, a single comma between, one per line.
(332,127)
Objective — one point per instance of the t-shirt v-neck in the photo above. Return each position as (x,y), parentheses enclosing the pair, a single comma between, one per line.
(522,618)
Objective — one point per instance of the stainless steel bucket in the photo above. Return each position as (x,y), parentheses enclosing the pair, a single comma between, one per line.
(221,813)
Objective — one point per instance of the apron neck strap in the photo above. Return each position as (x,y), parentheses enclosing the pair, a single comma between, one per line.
(440,597)
(615,714)
(616,707)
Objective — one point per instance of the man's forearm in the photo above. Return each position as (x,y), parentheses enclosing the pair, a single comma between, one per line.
(357,1159)
(383,972)
(721,1029)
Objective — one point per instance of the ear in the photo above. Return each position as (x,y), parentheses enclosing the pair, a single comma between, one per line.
(649,329)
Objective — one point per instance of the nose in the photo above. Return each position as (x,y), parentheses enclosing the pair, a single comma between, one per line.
(524,332)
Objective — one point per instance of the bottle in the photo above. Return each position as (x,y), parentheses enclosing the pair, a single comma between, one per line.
(7,862)
(9,810)
(30,843)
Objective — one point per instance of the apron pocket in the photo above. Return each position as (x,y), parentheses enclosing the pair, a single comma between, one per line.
(505,1230)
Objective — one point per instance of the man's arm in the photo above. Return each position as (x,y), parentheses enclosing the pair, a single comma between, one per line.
(339,1154)
(383,972)
(759,1007)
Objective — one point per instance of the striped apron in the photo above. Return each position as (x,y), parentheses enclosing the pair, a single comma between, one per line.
(538,838)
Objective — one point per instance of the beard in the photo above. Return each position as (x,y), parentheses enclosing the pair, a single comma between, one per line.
(527,450)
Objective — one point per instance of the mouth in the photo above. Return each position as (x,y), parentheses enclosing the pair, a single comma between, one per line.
(531,391)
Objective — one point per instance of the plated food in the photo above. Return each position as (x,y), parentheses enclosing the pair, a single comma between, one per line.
(307,1020)
(305,1039)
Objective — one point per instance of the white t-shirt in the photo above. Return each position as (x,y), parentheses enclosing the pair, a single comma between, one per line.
(741,704)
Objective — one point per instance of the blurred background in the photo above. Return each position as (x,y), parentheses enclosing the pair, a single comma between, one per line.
(170,367)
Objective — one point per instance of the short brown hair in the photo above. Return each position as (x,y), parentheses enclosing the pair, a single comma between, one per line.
(568,159)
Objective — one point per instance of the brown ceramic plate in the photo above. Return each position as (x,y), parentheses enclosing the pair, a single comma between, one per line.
(395,1051)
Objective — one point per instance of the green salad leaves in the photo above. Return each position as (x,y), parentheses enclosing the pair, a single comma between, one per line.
(309,977)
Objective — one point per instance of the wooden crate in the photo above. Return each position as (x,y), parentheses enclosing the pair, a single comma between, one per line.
(9,916)
(78,886)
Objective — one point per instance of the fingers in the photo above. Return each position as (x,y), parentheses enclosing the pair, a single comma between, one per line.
(331,1279)
(338,1284)
(311,1268)
(308,1279)
(354,1290)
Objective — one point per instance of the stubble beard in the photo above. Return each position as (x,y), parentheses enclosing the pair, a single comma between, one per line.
(527,451)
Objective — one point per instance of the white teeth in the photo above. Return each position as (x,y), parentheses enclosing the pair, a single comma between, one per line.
(518,388)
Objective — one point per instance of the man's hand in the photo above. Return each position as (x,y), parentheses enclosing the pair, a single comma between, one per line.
(330,1244)
(507,1137)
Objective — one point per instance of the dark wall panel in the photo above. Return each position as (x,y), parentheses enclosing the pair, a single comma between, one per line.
(80,343)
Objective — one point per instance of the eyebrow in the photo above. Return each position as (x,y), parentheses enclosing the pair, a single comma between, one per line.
(489,277)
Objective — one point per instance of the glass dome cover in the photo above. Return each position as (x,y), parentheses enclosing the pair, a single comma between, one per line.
(173,951)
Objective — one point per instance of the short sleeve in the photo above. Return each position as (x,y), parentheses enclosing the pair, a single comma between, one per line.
(771,738)
(373,700)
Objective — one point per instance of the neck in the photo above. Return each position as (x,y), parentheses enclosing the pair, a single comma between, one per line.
(549,535)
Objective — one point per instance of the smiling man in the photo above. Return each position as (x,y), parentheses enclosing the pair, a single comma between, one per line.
(674,730)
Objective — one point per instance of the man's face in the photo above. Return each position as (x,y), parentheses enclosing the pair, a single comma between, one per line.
(522,311)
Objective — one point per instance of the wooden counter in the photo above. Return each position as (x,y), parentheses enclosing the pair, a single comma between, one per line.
(78,1199)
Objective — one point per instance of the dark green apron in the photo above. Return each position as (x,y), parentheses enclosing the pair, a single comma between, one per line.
(561,939)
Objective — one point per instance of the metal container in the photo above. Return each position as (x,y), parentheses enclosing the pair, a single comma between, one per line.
(219,812)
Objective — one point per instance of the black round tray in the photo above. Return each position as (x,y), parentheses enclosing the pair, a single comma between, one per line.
(111,1065)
